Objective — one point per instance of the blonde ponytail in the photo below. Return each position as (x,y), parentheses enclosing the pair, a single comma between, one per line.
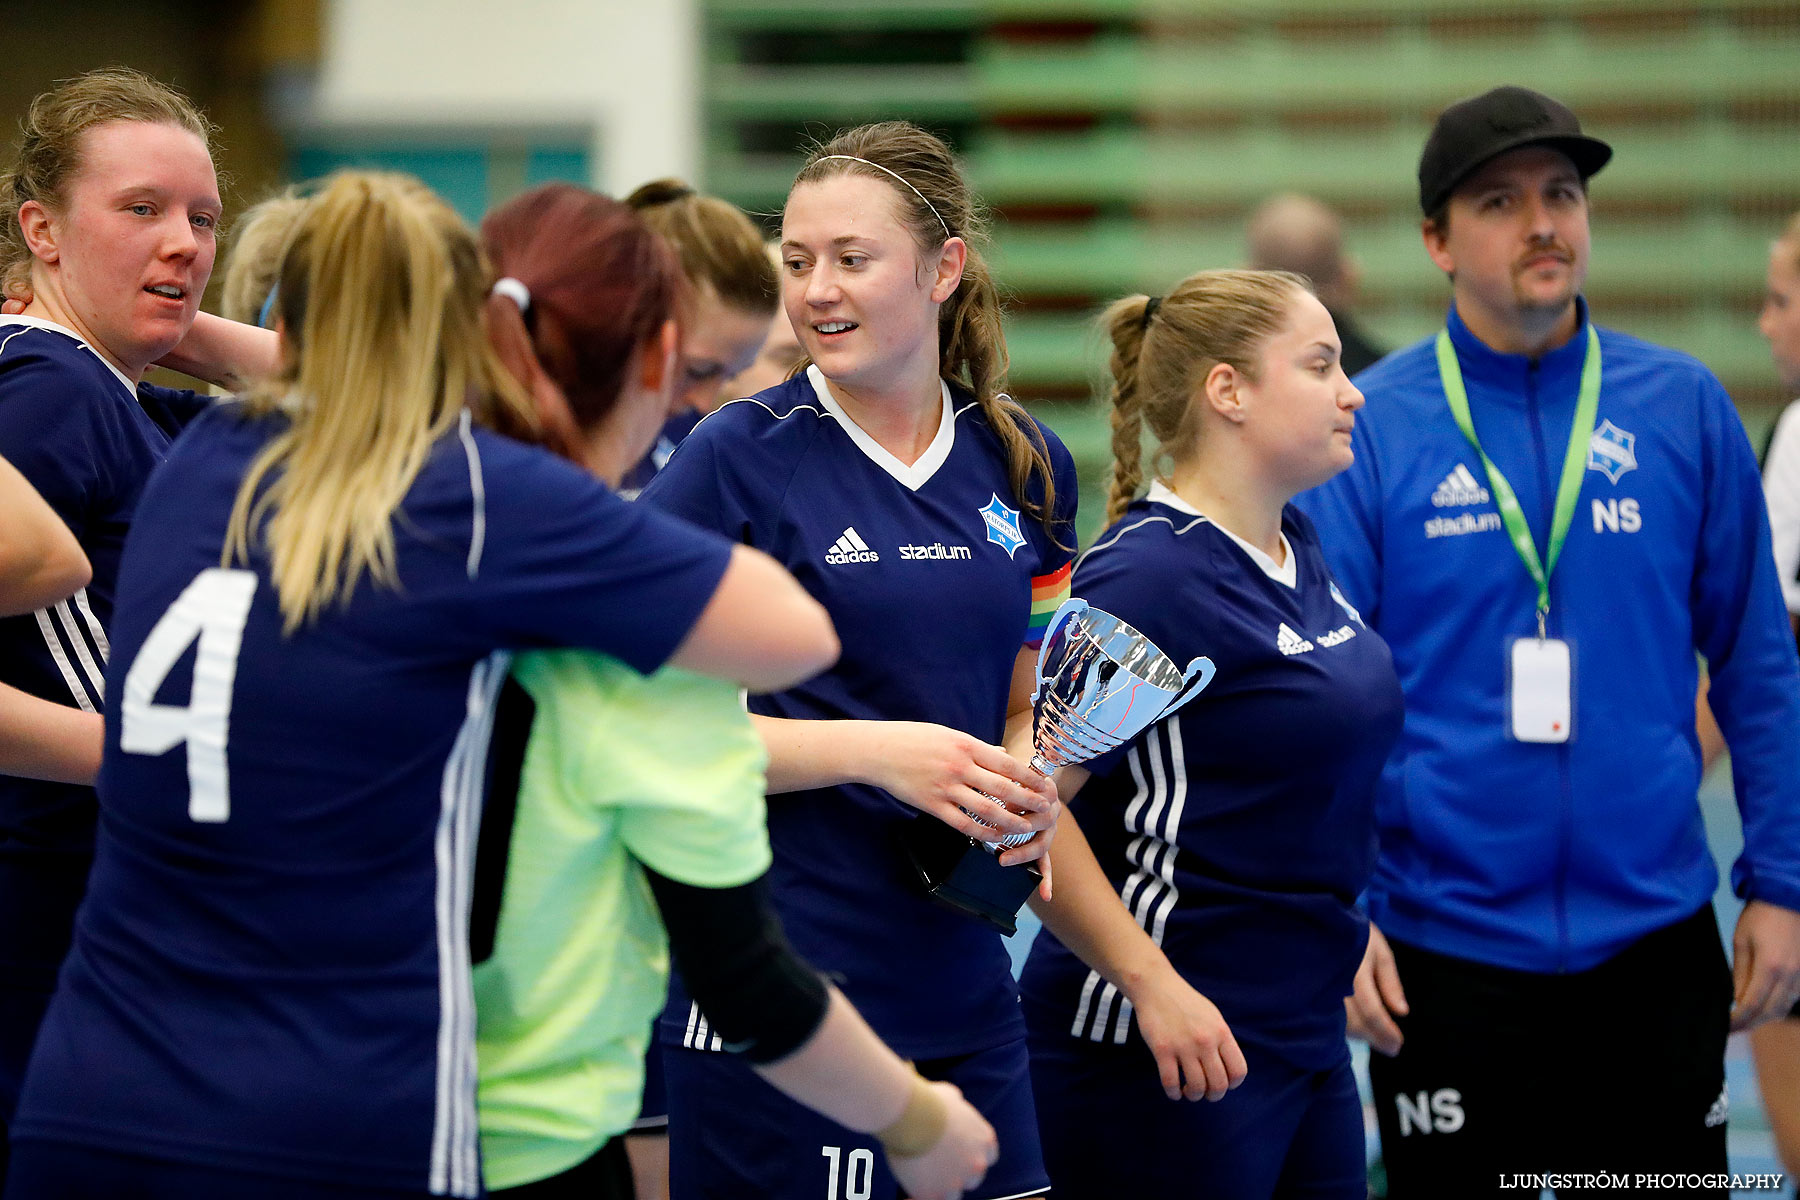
(1124,323)
(1162,356)
(380,295)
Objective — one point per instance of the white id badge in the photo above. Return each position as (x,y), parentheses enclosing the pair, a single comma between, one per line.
(1539,703)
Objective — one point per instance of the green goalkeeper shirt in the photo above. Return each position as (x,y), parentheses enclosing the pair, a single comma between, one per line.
(619,770)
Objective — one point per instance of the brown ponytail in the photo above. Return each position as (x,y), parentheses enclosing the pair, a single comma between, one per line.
(1124,323)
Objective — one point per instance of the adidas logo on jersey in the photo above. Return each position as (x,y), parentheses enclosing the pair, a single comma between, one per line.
(1459,490)
(1289,642)
(850,548)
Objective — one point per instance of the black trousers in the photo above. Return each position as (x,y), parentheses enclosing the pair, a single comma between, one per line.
(1619,1069)
(606,1175)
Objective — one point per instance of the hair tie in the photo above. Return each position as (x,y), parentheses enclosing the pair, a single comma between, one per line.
(513,290)
(909,187)
(268,307)
(1150,307)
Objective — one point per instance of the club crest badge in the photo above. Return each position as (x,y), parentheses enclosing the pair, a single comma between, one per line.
(1612,451)
(1347,606)
(1003,526)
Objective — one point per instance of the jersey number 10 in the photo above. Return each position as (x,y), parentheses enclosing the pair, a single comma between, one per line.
(859,1173)
(212,609)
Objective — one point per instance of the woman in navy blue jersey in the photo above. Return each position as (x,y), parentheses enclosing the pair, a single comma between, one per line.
(927,512)
(731,296)
(268,992)
(107,235)
(1204,931)
(620,806)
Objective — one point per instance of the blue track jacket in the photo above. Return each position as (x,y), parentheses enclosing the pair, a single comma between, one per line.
(1554,857)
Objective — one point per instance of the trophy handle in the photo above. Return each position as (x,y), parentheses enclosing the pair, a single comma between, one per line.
(1071,608)
(1199,673)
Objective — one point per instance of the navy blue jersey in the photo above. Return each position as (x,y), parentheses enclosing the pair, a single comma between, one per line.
(271,969)
(87,439)
(1239,831)
(674,430)
(927,571)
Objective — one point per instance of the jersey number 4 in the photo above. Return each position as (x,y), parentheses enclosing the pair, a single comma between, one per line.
(211,609)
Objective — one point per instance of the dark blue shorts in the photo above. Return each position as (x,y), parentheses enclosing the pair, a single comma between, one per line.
(653,1108)
(58,1171)
(733,1137)
(1108,1130)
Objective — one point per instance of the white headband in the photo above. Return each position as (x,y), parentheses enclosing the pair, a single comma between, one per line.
(909,187)
(513,290)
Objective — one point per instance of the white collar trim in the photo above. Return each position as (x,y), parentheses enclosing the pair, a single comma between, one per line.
(40,323)
(912,476)
(1286,572)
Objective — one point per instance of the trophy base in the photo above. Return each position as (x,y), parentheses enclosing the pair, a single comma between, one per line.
(961,873)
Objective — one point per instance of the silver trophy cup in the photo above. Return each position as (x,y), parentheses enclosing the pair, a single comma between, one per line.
(1100,684)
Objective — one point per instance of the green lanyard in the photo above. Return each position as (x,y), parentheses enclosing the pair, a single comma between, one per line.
(1587,404)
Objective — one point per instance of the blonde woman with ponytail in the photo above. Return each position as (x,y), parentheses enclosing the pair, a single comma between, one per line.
(932,517)
(269,992)
(1204,929)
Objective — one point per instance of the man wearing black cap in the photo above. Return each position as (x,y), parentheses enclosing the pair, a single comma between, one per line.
(1548,521)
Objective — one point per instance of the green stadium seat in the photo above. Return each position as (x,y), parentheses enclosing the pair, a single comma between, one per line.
(1123,142)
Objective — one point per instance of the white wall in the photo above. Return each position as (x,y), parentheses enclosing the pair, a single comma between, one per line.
(627,69)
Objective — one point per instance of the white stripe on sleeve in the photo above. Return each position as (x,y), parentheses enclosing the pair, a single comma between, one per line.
(71,677)
(1781,489)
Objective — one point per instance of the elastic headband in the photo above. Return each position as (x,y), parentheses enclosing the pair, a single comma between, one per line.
(909,187)
(268,307)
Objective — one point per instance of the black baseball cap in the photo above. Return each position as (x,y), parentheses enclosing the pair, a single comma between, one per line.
(1472,131)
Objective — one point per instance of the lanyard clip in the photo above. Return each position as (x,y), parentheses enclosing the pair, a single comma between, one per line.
(1541,614)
